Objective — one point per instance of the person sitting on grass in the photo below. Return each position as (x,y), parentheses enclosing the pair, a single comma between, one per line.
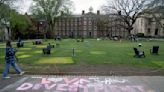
(19,43)
(49,46)
(10,59)
(48,49)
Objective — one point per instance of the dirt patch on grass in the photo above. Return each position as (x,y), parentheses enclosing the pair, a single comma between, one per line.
(104,70)
(118,70)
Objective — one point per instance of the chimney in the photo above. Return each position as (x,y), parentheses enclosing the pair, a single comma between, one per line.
(83,12)
(62,13)
(26,13)
(119,12)
(98,12)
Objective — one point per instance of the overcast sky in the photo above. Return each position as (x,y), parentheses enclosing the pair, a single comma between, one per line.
(79,5)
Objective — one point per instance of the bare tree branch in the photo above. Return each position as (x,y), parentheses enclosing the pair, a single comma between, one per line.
(130,10)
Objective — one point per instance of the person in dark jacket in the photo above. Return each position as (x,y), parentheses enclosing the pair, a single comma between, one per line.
(11,61)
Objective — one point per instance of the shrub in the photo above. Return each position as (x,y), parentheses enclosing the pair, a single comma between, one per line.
(140,34)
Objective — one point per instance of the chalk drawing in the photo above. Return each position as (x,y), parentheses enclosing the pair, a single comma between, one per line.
(25,86)
(83,84)
(55,79)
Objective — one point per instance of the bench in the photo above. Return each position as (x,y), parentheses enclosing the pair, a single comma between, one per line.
(37,42)
(154,50)
(47,50)
(20,44)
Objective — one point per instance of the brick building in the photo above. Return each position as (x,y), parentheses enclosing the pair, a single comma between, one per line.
(90,25)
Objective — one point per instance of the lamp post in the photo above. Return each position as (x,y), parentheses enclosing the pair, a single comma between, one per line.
(73,52)
(7,24)
(39,24)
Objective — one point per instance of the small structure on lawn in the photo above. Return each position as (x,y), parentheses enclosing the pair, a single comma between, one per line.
(20,43)
(47,50)
(138,53)
(154,50)
(37,42)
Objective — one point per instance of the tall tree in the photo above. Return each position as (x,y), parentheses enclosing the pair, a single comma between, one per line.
(129,10)
(102,25)
(5,14)
(49,10)
(10,18)
(5,8)
(6,1)
(19,23)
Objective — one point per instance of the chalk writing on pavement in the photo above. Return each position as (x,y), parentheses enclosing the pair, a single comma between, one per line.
(91,84)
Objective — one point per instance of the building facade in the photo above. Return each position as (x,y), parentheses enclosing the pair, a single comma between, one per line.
(149,27)
(90,25)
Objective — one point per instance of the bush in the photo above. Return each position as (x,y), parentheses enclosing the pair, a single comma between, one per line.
(140,35)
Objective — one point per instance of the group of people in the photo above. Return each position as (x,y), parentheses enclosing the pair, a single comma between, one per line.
(133,38)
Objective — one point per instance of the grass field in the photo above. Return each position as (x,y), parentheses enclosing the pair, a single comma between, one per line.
(90,52)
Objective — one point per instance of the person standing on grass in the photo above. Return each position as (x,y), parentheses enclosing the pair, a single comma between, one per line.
(10,60)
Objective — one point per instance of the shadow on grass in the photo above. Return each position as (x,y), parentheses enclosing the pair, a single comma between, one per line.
(55,60)
(98,52)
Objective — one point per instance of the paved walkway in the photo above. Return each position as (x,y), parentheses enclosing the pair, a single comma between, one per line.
(36,83)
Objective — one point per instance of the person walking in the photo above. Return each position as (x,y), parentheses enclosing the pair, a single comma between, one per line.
(10,61)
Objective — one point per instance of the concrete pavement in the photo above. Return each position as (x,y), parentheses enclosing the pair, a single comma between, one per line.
(44,83)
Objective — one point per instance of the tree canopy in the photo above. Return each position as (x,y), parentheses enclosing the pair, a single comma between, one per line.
(9,17)
(48,10)
(5,7)
(19,21)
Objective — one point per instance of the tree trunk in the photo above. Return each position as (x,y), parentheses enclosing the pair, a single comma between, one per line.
(52,28)
(45,37)
(45,33)
(129,30)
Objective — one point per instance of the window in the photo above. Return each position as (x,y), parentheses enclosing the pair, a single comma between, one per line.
(90,22)
(59,23)
(85,28)
(95,27)
(80,19)
(90,27)
(67,23)
(55,24)
(156,31)
(85,22)
(90,34)
(79,23)
(148,31)
(85,19)
(149,21)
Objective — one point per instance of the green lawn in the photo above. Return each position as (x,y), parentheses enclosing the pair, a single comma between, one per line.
(90,51)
